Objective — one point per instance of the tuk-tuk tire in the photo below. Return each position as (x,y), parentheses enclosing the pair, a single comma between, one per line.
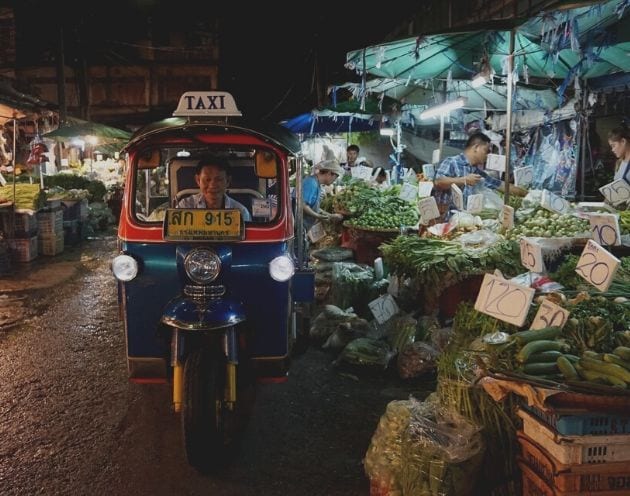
(203,424)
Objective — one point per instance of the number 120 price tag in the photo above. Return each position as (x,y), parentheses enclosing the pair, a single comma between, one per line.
(504,300)
(383,308)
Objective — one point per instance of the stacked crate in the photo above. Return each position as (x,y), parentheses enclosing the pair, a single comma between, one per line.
(566,453)
(50,240)
(71,221)
(23,245)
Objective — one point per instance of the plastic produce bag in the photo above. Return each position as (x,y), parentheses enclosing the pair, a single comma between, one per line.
(416,359)
(366,351)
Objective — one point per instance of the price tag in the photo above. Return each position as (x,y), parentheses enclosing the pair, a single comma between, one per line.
(507,217)
(550,315)
(531,256)
(410,174)
(383,308)
(496,162)
(435,156)
(605,229)
(597,265)
(429,171)
(475,203)
(316,232)
(425,188)
(428,209)
(458,197)
(393,286)
(523,176)
(555,203)
(616,192)
(408,192)
(504,300)
(361,172)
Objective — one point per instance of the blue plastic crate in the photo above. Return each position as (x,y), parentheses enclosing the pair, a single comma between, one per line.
(581,424)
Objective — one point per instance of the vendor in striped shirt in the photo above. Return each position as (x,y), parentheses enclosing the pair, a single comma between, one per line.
(466,171)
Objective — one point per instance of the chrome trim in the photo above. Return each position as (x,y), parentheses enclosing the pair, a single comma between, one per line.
(199,292)
(199,326)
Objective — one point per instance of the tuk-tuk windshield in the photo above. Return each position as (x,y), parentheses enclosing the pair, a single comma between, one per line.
(172,178)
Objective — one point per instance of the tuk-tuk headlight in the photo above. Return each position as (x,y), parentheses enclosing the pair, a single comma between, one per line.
(202,265)
(281,268)
(124,267)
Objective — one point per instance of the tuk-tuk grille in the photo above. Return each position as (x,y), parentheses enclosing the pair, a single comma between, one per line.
(204,292)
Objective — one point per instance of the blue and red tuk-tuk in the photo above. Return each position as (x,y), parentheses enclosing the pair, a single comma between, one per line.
(212,300)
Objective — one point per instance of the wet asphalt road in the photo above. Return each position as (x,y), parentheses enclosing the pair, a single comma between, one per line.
(72,424)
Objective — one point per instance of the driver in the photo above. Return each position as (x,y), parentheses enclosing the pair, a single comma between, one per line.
(212,175)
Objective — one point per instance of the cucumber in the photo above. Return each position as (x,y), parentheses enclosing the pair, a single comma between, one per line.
(617,360)
(538,347)
(544,357)
(547,333)
(567,368)
(571,358)
(593,354)
(623,352)
(599,377)
(540,368)
(605,368)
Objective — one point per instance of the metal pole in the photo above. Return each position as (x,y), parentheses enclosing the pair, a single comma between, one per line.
(299,216)
(584,132)
(441,136)
(508,123)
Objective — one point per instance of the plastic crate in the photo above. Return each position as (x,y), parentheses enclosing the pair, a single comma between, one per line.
(582,478)
(23,250)
(25,223)
(571,450)
(51,245)
(50,222)
(533,485)
(576,423)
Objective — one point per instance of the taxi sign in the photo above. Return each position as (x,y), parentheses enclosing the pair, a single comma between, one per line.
(207,103)
(197,224)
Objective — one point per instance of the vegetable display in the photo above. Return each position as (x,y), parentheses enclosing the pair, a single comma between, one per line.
(545,224)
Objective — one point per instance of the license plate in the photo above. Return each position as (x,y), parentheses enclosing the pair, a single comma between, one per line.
(183,224)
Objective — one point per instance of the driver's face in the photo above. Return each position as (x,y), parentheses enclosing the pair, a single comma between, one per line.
(212,182)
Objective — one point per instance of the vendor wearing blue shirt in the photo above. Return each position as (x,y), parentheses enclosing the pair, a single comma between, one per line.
(466,171)
(325,173)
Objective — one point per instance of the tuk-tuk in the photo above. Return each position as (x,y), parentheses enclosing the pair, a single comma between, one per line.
(213,297)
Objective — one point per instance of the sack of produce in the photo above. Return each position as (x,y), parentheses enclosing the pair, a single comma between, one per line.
(332,254)
(354,286)
(416,359)
(366,351)
(333,318)
(400,330)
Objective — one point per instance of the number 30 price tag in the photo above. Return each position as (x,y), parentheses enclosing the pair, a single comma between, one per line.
(550,315)
(597,265)
(383,308)
(504,300)
(531,256)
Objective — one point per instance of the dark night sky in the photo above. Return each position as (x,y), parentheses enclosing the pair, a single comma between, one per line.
(266,61)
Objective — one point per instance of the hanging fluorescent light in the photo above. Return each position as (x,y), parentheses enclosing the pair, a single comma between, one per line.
(478,80)
(445,108)
(386,131)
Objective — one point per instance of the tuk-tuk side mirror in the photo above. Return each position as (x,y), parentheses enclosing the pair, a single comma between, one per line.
(266,164)
(149,159)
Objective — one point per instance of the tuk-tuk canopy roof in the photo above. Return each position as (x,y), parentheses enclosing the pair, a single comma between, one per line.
(269,131)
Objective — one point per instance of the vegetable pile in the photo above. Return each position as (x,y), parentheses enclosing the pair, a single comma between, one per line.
(545,224)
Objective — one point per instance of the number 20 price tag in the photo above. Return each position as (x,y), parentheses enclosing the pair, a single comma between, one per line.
(383,308)
(597,265)
(504,300)
(550,315)
(531,256)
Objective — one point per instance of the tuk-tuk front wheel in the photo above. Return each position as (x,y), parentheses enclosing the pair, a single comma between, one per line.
(203,413)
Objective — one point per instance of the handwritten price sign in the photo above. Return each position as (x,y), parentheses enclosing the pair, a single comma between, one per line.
(531,256)
(496,162)
(458,197)
(616,192)
(605,229)
(597,265)
(550,315)
(316,232)
(523,176)
(507,217)
(553,202)
(383,308)
(408,192)
(428,209)
(428,170)
(504,300)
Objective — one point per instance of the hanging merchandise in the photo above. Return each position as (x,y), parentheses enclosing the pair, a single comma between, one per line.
(38,150)
(552,155)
